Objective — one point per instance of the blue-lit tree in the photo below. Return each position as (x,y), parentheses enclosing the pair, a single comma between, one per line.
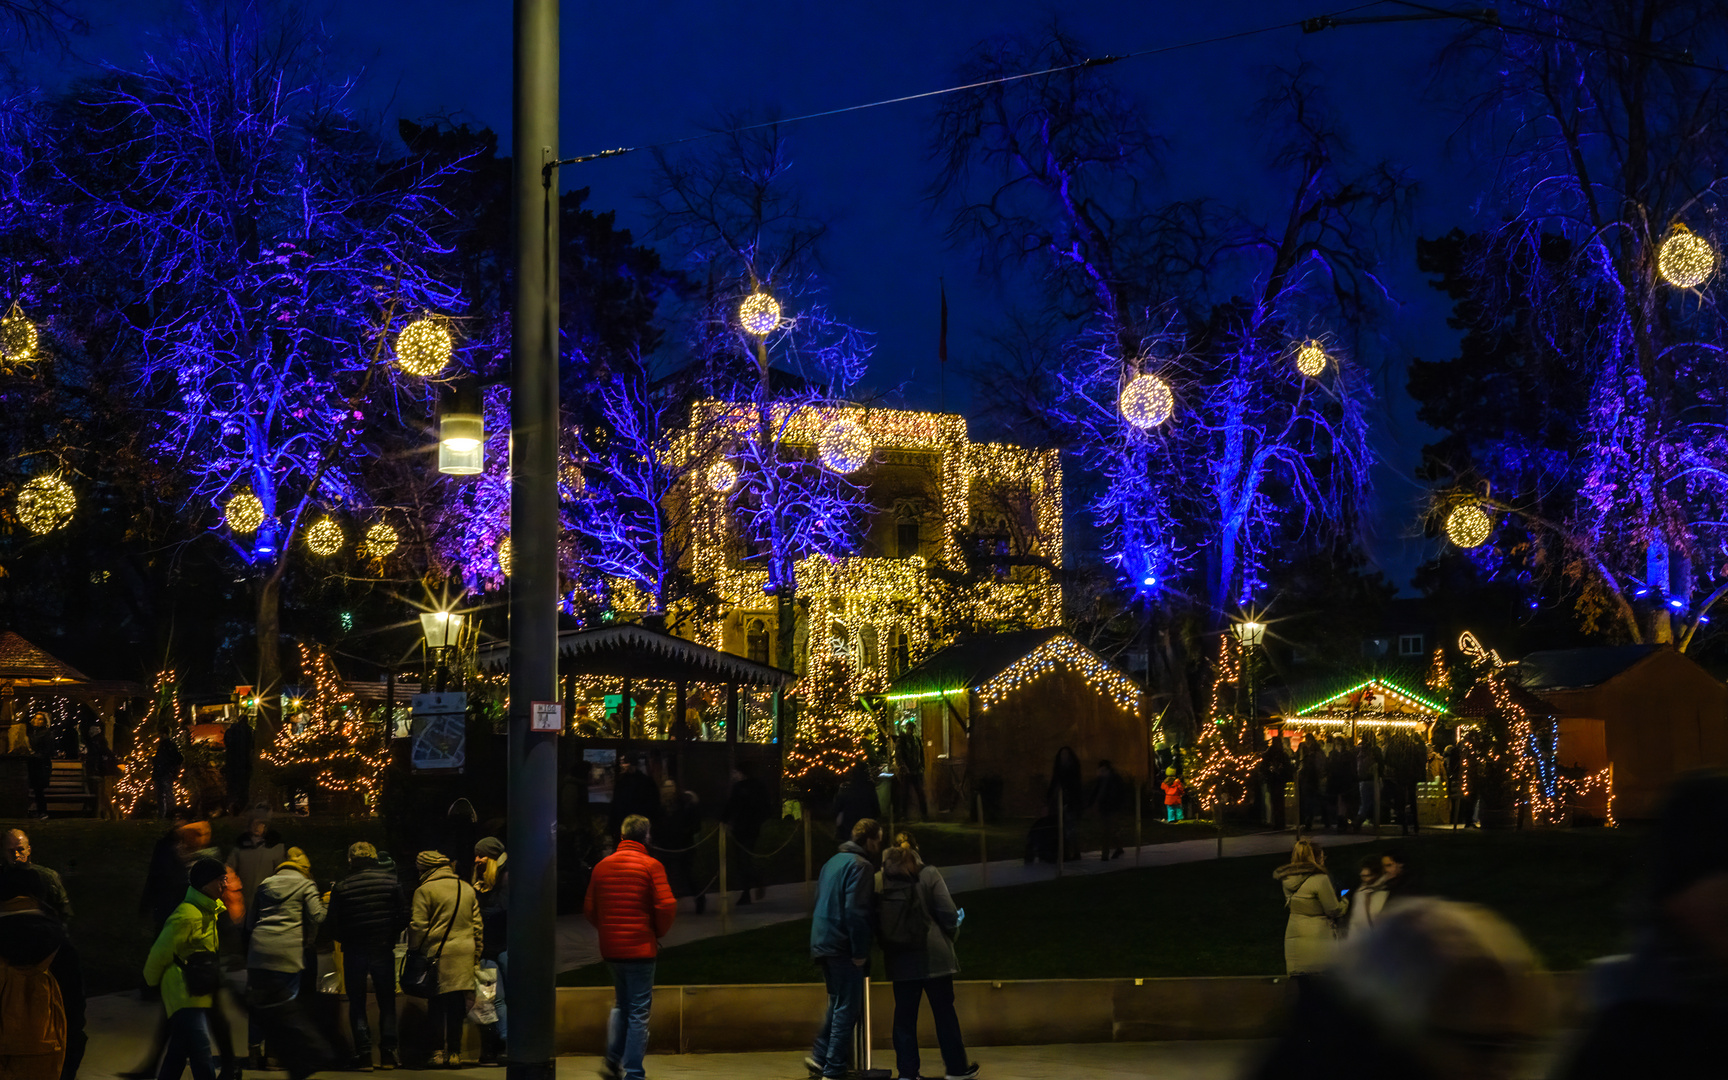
(1589,389)
(267,245)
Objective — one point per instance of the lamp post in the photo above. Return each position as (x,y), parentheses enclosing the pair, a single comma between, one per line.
(533,755)
(443,630)
(1250,634)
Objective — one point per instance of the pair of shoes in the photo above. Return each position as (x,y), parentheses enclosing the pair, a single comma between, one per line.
(609,1070)
(701,903)
(361,1063)
(386,1059)
(811,1066)
(744,898)
(971,1073)
(255,1057)
(1118,854)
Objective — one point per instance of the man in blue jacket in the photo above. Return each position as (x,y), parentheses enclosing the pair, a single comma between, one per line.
(840,941)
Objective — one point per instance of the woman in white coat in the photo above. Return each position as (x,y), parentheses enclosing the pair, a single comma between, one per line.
(1309,934)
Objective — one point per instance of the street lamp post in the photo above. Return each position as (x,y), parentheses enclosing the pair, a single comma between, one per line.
(533,755)
(443,631)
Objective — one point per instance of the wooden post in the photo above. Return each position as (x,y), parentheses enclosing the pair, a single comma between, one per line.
(1218,822)
(1139,809)
(983,845)
(809,887)
(725,893)
(1061,845)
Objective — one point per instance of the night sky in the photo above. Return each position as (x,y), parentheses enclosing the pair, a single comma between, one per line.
(639,73)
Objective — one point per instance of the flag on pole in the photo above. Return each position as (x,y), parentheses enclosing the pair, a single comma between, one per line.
(942,341)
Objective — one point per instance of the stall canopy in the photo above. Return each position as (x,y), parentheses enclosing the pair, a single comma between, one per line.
(631,651)
(23,664)
(1369,704)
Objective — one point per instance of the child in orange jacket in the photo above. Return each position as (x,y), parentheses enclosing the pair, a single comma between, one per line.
(1174,790)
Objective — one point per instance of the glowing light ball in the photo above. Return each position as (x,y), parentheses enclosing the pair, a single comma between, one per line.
(45,504)
(380,540)
(423,347)
(244,513)
(722,477)
(17,339)
(1311,359)
(1468,526)
(1147,401)
(759,314)
(505,555)
(1685,259)
(324,537)
(845,446)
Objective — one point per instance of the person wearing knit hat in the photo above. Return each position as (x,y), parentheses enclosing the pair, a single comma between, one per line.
(368,912)
(283,916)
(492,882)
(188,938)
(428,861)
(1174,792)
(444,925)
(1660,1011)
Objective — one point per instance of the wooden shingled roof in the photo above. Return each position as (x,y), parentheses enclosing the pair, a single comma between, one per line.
(24,663)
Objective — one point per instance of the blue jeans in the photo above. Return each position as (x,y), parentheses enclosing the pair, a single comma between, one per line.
(1365,800)
(188,1044)
(380,964)
(833,1049)
(940,991)
(627,1029)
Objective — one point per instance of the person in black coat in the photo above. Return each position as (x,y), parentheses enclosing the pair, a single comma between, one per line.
(1107,794)
(680,821)
(1065,788)
(633,792)
(368,911)
(237,763)
(165,768)
(1342,789)
(855,801)
(1276,768)
(165,880)
(748,808)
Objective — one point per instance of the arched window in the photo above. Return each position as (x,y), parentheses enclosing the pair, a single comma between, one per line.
(756,641)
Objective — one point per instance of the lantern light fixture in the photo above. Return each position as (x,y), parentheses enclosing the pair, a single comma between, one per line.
(244,513)
(380,541)
(845,446)
(1311,359)
(1250,632)
(1685,259)
(461,433)
(324,537)
(45,504)
(759,314)
(1147,401)
(443,629)
(722,476)
(423,347)
(505,556)
(1469,526)
(18,340)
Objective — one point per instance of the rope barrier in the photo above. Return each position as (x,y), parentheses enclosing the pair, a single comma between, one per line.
(703,839)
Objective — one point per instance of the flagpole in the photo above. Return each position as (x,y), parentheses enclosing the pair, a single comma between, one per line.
(942,351)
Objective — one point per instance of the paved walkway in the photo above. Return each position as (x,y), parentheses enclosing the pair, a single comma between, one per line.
(578,946)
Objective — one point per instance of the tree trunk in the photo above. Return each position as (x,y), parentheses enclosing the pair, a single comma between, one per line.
(785,629)
(269,688)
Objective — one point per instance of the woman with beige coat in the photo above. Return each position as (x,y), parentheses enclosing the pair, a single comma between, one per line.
(1313,904)
(444,924)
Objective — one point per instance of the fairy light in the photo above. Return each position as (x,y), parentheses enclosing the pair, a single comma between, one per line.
(1468,526)
(759,314)
(1685,259)
(324,537)
(380,541)
(45,504)
(244,513)
(136,787)
(423,347)
(18,340)
(845,447)
(1060,654)
(1147,401)
(331,741)
(722,477)
(505,556)
(1311,359)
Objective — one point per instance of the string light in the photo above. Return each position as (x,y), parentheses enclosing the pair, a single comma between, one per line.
(45,504)
(504,556)
(1147,401)
(1468,526)
(324,537)
(330,741)
(1685,259)
(1060,654)
(18,340)
(759,314)
(722,476)
(1311,359)
(845,446)
(423,347)
(380,541)
(244,513)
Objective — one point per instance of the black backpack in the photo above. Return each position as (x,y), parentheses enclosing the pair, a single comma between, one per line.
(905,923)
(202,970)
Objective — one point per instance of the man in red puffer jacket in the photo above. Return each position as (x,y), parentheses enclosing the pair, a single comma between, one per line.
(631,904)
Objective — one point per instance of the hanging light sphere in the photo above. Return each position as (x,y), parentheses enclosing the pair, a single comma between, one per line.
(1311,359)
(324,537)
(380,540)
(845,446)
(45,504)
(1468,526)
(505,555)
(17,338)
(1147,401)
(759,314)
(244,513)
(1685,259)
(423,347)
(722,477)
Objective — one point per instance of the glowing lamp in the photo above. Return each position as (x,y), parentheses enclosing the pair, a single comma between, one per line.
(505,556)
(845,446)
(442,629)
(1250,633)
(1468,526)
(759,314)
(423,347)
(45,504)
(17,339)
(244,513)
(461,434)
(324,537)
(1311,359)
(1685,259)
(722,477)
(1147,401)
(380,541)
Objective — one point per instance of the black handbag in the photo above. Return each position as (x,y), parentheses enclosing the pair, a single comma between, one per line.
(419,971)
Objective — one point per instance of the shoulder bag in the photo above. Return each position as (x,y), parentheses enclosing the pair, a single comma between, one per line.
(420,971)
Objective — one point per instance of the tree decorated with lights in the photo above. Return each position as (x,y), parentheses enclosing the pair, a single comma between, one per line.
(1588,382)
(1198,361)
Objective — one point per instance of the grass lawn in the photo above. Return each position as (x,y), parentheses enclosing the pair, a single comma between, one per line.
(1568,891)
(103,865)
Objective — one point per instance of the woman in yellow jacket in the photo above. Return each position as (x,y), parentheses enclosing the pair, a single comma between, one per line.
(189,931)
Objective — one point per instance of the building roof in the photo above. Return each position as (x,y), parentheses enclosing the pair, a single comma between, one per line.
(971,661)
(993,666)
(634,651)
(1372,695)
(22,662)
(1575,669)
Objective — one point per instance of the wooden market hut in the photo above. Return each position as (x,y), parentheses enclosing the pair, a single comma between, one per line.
(1374,704)
(993,709)
(27,671)
(1650,711)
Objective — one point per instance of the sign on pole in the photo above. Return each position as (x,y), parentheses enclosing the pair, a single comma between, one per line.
(440,732)
(547,716)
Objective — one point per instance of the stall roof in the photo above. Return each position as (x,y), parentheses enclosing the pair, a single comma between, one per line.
(1575,669)
(633,651)
(22,662)
(969,662)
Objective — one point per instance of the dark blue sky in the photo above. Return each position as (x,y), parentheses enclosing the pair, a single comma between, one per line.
(636,73)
